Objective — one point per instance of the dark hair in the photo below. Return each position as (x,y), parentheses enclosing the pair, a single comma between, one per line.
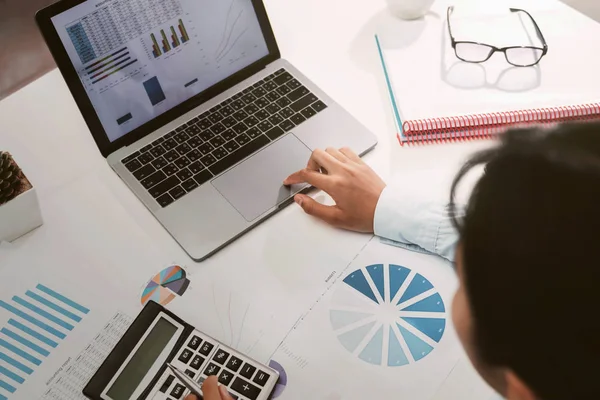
(530,238)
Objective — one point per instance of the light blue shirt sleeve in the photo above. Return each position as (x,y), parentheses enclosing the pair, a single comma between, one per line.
(416,221)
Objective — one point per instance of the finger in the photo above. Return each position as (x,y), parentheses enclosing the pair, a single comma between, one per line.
(329,214)
(313,165)
(351,155)
(338,155)
(224,393)
(324,160)
(313,178)
(210,389)
(191,397)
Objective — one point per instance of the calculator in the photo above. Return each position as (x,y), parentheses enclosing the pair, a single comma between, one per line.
(137,367)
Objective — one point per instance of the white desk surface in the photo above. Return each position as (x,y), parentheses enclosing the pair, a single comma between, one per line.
(93,221)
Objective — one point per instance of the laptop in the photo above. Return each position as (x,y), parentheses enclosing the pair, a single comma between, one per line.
(193,107)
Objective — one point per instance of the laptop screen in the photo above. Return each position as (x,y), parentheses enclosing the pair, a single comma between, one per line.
(137,59)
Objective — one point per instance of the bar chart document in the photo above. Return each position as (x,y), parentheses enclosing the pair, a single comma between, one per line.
(70,380)
(39,320)
(139,58)
(57,325)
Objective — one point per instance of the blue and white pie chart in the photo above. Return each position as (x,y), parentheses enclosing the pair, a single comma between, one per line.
(388,315)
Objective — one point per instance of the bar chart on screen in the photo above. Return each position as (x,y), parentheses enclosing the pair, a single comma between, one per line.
(168,39)
(163,42)
(38,321)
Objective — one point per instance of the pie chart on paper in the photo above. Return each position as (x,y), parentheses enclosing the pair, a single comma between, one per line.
(282,382)
(388,315)
(165,286)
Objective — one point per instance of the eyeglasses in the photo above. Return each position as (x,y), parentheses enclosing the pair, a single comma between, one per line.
(519,56)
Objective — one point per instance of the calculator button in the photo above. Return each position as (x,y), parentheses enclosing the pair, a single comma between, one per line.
(221,356)
(247,371)
(245,388)
(177,391)
(167,384)
(201,379)
(261,378)
(197,362)
(190,373)
(234,363)
(212,369)
(194,343)
(206,348)
(185,356)
(225,377)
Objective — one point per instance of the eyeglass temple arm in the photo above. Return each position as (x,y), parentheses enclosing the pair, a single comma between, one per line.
(448,13)
(540,35)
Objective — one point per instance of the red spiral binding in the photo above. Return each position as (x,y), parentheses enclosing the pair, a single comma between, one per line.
(480,126)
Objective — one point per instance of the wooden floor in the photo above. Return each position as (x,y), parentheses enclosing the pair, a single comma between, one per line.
(23,53)
(24,56)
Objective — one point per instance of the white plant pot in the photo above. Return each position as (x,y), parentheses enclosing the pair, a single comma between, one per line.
(19,216)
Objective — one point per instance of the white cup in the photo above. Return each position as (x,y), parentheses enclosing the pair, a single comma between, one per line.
(410,9)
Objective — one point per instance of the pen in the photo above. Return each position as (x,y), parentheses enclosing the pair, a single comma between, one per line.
(187,381)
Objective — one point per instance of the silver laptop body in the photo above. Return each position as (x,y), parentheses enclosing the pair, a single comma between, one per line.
(204,212)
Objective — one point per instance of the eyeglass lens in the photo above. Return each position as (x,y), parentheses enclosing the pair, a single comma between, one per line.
(519,56)
(473,52)
(524,56)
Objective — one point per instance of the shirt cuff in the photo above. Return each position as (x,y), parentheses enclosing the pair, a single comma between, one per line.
(415,218)
(387,213)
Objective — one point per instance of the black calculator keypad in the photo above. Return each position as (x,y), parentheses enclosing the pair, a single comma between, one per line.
(185,356)
(212,369)
(247,371)
(194,343)
(245,388)
(220,356)
(177,391)
(261,378)
(234,363)
(167,383)
(197,362)
(201,357)
(225,377)
(206,348)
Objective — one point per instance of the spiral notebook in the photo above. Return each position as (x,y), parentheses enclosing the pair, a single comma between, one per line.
(435,97)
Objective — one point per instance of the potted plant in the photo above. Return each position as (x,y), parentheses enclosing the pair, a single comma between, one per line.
(19,207)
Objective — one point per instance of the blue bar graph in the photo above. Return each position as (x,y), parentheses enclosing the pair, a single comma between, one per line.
(62,298)
(15,363)
(53,306)
(32,333)
(32,320)
(19,352)
(11,375)
(6,386)
(42,313)
(37,322)
(25,342)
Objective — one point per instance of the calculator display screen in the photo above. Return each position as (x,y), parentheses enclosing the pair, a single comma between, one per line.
(141,362)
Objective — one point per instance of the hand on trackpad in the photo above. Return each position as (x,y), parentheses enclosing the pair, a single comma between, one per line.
(255,186)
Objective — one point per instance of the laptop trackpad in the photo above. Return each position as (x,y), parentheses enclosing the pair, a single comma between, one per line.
(255,186)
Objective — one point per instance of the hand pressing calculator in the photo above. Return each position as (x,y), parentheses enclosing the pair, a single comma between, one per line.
(137,366)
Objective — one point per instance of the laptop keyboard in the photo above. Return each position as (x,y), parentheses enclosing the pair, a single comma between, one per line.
(195,152)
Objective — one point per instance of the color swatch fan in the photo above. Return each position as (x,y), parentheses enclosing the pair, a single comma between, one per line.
(388,315)
(166,286)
